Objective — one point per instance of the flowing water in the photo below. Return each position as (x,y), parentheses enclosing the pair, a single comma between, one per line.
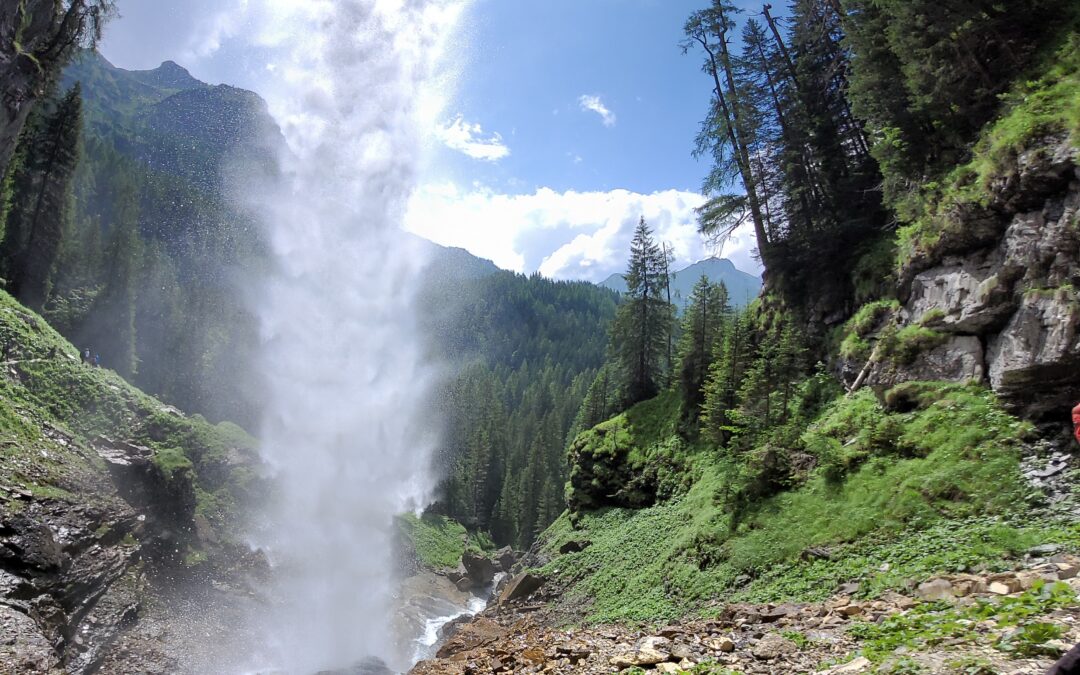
(352,84)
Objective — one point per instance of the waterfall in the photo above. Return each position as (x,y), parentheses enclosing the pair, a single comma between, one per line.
(351,84)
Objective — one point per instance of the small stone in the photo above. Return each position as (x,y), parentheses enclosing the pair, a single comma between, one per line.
(850,589)
(719,644)
(936,589)
(773,646)
(859,665)
(1067,571)
(671,668)
(1005,587)
(1044,550)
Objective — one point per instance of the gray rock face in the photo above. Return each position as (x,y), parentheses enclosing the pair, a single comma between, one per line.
(1002,289)
(1039,350)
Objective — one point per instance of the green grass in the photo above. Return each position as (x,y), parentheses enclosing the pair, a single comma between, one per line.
(945,475)
(855,345)
(437,540)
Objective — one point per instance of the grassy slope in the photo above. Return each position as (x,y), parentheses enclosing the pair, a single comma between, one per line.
(931,490)
(43,384)
(439,541)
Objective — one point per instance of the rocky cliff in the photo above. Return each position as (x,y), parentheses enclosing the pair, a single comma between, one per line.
(109,500)
(993,297)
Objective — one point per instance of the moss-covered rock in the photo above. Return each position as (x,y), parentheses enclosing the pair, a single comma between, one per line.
(610,463)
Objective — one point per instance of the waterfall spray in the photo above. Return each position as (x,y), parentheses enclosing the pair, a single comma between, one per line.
(345,377)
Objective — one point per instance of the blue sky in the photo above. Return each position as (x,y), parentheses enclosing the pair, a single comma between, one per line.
(565,121)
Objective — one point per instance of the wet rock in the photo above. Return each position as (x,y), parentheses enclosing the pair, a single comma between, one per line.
(480,568)
(477,633)
(506,558)
(23,647)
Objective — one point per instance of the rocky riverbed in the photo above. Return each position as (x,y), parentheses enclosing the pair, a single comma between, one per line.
(1013,622)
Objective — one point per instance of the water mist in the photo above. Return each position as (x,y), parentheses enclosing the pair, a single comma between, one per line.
(344,424)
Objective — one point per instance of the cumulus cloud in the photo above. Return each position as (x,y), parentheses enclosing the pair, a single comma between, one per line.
(469,140)
(594,104)
(565,235)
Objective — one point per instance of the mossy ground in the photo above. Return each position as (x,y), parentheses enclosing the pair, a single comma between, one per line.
(894,496)
(439,541)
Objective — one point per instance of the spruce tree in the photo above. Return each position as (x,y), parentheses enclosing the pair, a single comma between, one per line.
(643,321)
(702,325)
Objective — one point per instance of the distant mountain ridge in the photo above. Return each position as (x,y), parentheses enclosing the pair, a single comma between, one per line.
(742,287)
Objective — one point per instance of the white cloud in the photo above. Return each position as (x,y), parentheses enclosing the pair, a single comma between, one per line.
(469,139)
(594,104)
(564,235)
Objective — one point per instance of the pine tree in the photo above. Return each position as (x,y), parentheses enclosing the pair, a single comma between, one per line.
(643,321)
(702,326)
(728,133)
(109,327)
(731,361)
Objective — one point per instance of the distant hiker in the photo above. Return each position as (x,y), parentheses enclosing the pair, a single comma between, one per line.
(1070,663)
(86,356)
(1076,422)
(97,361)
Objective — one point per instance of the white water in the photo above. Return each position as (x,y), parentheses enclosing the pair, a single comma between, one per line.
(346,383)
(424,645)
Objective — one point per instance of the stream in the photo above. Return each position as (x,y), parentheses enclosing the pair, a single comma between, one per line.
(427,603)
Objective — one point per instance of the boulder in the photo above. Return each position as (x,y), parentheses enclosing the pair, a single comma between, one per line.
(1037,356)
(936,589)
(574,546)
(773,646)
(506,558)
(477,633)
(970,296)
(521,586)
(480,568)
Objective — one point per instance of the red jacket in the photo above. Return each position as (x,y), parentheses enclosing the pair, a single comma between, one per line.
(1076,422)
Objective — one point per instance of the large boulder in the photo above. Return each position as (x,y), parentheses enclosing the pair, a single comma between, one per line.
(521,587)
(480,568)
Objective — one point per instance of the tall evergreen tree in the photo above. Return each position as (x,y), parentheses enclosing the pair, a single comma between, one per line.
(643,321)
(733,354)
(702,326)
(109,327)
(728,133)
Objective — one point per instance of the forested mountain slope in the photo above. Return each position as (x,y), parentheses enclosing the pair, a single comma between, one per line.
(139,254)
(521,352)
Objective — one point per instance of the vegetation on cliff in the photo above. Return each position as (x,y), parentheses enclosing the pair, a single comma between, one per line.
(195,470)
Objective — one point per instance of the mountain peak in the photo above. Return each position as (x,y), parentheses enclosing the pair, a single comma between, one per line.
(742,286)
(169,75)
